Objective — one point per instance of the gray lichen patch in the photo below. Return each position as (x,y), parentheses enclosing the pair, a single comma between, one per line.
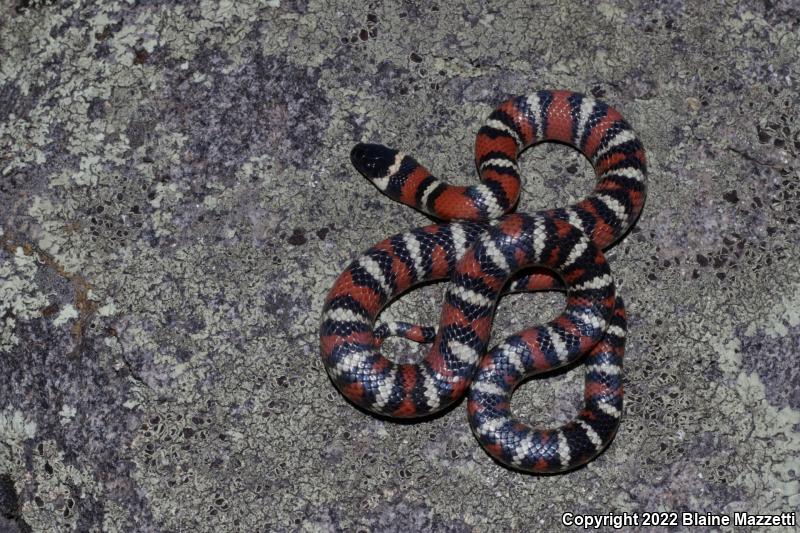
(19,298)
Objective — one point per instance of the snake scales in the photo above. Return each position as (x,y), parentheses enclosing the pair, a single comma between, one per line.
(479,250)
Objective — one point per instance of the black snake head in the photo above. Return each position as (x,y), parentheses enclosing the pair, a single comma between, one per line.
(373,160)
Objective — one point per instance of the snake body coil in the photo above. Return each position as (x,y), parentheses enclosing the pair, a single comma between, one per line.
(479,254)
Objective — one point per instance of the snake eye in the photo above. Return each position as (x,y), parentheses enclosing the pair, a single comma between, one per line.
(372,160)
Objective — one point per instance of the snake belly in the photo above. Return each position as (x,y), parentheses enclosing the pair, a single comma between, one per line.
(479,254)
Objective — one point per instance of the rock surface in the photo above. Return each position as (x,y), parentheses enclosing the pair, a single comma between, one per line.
(177,199)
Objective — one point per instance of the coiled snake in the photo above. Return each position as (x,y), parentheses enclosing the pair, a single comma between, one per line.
(479,253)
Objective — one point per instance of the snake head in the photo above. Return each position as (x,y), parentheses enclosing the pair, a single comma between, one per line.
(374,160)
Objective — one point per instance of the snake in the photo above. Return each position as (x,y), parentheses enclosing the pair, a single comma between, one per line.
(485,251)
